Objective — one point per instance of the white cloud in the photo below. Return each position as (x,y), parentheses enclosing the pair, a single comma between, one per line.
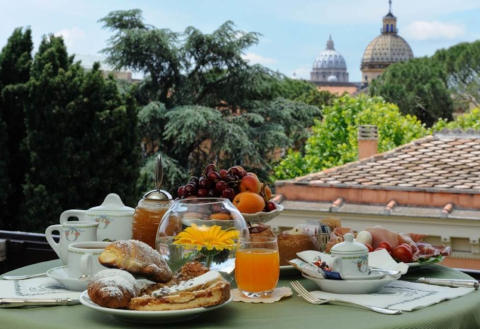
(301,73)
(434,30)
(71,36)
(258,59)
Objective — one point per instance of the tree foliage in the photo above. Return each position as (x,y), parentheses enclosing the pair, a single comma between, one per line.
(462,65)
(334,138)
(202,101)
(81,137)
(470,120)
(419,87)
(15,61)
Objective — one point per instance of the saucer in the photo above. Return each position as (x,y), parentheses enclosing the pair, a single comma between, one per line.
(61,275)
(352,286)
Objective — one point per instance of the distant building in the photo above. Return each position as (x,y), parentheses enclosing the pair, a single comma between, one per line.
(386,49)
(330,73)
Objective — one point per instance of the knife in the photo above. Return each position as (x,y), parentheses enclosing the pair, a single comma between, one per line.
(450,282)
(21,302)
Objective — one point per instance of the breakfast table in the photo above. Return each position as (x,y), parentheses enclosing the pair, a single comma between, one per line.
(293,312)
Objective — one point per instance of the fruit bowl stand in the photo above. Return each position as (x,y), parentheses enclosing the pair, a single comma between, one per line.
(263,216)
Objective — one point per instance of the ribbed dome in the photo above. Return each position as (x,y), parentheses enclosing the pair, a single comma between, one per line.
(329,63)
(329,59)
(387,48)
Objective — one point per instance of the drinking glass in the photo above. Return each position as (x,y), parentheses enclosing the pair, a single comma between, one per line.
(257,266)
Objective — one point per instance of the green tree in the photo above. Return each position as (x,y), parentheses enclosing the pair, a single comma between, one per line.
(462,64)
(81,136)
(334,139)
(202,101)
(470,120)
(15,62)
(419,87)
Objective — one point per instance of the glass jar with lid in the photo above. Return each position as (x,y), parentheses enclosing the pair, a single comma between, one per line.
(150,210)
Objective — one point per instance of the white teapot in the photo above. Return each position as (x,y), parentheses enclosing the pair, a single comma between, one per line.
(114,218)
(350,258)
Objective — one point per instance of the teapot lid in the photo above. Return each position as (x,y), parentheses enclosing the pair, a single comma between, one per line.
(112,205)
(158,194)
(349,246)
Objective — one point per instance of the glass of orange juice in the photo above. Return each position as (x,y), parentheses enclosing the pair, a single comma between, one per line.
(257,266)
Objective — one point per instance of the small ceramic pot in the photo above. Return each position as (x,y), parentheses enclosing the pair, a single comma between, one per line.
(350,258)
(113,217)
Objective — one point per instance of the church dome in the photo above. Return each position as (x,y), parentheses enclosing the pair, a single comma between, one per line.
(330,58)
(387,48)
(329,63)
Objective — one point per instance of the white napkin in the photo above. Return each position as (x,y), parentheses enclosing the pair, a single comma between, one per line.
(400,295)
(382,259)
(43,287)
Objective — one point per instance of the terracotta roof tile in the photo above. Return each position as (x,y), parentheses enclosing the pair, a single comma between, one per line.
(444,162)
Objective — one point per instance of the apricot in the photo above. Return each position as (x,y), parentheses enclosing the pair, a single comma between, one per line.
(266,192)
(249,202)
(250,183)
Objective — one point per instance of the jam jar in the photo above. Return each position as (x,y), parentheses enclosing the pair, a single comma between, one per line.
(150,210)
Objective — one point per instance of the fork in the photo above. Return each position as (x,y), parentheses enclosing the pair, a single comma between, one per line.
(302,292)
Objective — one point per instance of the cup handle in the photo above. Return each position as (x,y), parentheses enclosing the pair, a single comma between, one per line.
(48,235)
(86,264)
(71,213)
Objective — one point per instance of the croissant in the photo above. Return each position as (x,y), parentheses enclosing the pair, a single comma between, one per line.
(112,288)
(136,257)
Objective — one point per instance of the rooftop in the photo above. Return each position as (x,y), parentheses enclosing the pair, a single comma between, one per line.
(431,171)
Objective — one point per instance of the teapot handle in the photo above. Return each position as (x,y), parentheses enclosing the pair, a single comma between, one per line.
(72,213)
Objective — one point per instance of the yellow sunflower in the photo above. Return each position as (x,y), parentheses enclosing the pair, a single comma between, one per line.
(209,237)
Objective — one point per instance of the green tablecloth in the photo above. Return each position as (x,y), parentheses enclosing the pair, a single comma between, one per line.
(291,313)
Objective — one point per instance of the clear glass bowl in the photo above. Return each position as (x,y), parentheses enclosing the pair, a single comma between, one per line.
(201,229)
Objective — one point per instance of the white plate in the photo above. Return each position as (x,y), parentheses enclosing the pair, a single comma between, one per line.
(426,262)
(352,286)
(60,274)
(286,267)
(149,316)
(374,275)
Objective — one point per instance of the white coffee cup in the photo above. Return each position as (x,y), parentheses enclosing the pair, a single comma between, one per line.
(70,232)
(83,258)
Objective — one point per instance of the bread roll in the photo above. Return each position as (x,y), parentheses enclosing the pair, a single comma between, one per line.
(136,257)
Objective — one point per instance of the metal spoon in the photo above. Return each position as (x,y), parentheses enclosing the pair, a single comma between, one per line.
(22,277)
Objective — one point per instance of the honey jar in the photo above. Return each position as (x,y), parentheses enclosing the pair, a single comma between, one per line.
(150,210)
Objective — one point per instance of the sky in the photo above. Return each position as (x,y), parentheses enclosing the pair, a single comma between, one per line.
(293,33)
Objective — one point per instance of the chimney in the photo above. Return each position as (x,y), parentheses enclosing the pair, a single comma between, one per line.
(367,141)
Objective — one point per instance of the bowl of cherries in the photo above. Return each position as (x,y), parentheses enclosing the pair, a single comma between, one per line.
(244,189)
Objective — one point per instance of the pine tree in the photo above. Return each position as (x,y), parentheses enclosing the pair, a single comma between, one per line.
(81,135)
(203,101)
(15,62)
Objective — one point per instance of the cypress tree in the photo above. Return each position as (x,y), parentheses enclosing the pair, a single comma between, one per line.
(79,135)
(15,62)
